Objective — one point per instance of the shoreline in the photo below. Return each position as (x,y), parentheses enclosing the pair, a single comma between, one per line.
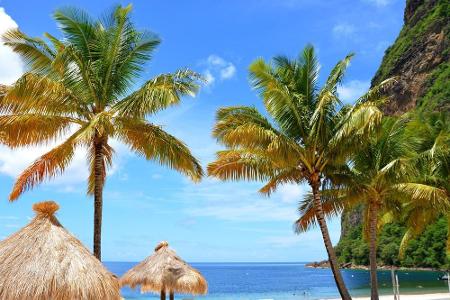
(349,266)
(432,296)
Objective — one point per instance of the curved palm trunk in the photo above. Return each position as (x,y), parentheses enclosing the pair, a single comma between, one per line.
(373,221)
(98,197)
(328,245)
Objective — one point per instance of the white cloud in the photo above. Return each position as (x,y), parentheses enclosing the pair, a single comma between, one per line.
(228,72)
(379,3)
(240,202)
(292,193)
(352,90)
(344,30)
(11,66)
(217,67)
(210,79)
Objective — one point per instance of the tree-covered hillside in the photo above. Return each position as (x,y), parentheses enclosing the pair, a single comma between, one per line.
(427,251)
(420,61)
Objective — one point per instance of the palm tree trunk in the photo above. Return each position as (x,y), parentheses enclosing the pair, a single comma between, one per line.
(98,197)
(163,295)
(172,295)
(373,221)
(327,241)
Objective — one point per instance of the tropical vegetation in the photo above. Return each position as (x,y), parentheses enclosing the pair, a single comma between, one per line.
(80,89)
(309,141)
(426,199)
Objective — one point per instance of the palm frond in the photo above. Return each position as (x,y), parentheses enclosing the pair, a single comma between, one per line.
(153,143)
(159,93)
(47,166)
(280,99)
(33,93)
(35,52)
(33,129)
(283,176)
(332,205)
(242,164)
(422,192)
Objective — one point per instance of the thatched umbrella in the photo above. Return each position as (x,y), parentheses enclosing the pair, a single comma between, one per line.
(44,261)
(164,271)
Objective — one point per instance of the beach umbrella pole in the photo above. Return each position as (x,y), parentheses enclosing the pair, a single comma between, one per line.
(172,295)
(163,295)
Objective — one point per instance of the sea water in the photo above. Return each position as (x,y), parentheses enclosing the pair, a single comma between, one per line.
(288,281)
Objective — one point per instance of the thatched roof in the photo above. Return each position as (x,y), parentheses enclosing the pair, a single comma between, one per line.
(165,270)
(44,261)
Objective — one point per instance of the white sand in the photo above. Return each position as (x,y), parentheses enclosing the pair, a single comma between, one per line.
(437,296)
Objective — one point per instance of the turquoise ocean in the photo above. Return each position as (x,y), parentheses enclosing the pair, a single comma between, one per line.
(288,281)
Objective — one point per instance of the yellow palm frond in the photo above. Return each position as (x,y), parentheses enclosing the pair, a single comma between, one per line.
(357,123)
(159,93)
(154,143)
(245,127)
(34,93)
(436,197)
(48,165)
(33,129)
(283,176)
(244,164)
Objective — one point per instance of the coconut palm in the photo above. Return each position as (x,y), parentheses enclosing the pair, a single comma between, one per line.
(310,137)
(79,88)
(430,190)
(372,179)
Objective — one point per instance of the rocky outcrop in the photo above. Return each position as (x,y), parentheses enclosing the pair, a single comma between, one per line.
(421,48)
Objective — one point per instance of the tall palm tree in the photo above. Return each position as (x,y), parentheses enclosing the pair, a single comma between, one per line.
(311,135)
(372,179)
(78,88)
(430,190)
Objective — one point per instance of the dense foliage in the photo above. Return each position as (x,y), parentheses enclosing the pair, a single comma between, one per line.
(438,90)
(427,251)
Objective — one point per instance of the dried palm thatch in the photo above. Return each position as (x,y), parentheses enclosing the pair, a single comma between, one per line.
(44,261)
(164,271)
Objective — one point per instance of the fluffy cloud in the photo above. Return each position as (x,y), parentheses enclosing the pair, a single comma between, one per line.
(292,193)
(343,30)
(240,202)
(379,3)
(352,90)
(217,67)
(11,65)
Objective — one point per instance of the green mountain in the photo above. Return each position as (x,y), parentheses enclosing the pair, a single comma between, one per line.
(420,60)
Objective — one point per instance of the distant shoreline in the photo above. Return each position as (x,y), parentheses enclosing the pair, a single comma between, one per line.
(324,264)
(434,296)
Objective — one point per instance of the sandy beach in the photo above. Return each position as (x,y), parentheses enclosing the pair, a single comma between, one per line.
(435,296)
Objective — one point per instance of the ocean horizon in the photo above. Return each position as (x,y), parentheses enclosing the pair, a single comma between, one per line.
(287,281)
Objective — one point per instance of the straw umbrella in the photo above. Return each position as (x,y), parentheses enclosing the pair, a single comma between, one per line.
(164,271)
(44,261)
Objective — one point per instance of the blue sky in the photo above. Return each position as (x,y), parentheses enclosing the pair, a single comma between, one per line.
(145,203)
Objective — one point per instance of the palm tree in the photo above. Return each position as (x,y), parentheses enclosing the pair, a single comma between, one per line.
(79,88)
(371,180)
(311,136)
(430,190)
